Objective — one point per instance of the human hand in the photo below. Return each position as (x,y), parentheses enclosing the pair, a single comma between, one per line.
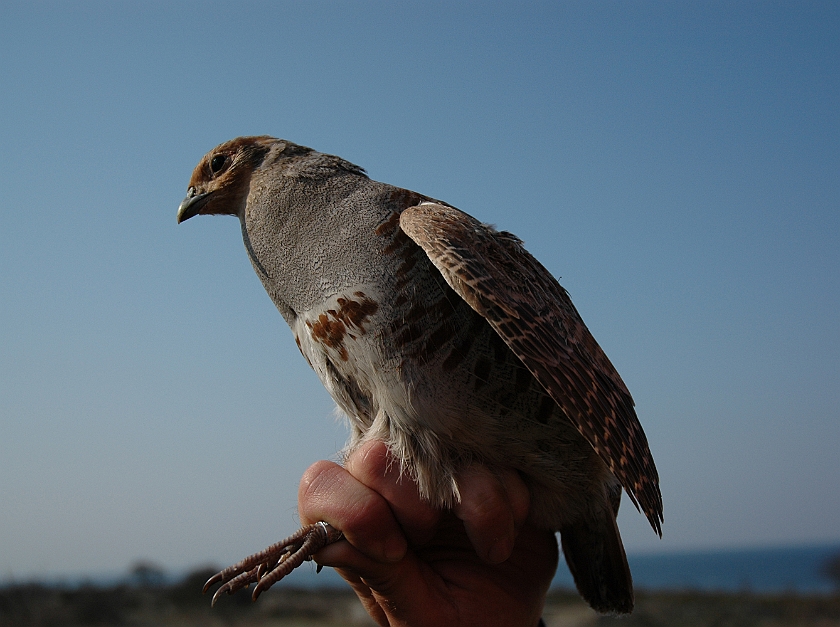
(413,565)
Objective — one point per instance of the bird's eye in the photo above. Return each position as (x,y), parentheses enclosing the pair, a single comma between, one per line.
(216,163)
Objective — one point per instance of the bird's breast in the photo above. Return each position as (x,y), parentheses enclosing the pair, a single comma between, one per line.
(340,339)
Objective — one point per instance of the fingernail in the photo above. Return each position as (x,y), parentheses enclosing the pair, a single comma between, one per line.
(500,551)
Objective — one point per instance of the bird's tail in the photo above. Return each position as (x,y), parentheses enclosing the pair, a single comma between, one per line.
(595,555)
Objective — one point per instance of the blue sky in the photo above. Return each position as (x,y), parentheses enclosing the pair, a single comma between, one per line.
(676,164)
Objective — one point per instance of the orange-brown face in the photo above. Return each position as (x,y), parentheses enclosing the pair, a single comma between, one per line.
(220,182)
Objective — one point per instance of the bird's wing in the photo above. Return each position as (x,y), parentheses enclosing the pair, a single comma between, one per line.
(534,315)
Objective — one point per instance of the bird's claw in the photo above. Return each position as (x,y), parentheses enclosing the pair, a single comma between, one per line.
(272,564)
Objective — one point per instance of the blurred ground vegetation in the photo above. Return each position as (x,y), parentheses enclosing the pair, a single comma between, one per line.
(147,598)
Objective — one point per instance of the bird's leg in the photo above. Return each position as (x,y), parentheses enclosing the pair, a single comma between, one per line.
(269,566)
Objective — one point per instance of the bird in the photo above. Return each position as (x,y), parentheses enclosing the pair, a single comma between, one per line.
(442,337)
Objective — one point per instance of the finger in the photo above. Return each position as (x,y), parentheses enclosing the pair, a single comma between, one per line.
(373,465)
(366,596)
(405,593)
(518,495)
(328,492)
(398,584)
(489,512)
(360,571)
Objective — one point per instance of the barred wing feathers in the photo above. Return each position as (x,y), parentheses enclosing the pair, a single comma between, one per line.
(535,317)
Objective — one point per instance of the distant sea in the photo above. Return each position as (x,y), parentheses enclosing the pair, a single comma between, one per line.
(780,569)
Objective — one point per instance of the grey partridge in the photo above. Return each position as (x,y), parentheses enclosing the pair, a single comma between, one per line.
(443,338)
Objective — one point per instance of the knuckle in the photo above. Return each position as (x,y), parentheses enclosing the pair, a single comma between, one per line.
(319,479)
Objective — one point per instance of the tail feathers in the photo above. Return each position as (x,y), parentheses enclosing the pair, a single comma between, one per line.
(596,558)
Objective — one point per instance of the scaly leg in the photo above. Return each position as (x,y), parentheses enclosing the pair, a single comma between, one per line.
(268,567)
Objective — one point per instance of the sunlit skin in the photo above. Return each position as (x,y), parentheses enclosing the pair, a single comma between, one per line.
(415,565)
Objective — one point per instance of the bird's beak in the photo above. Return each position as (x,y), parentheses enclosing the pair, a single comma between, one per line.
(192,204)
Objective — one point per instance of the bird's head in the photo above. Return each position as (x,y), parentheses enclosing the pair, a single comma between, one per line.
(221,180)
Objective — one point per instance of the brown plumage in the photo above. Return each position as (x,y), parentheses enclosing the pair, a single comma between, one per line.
(443,338)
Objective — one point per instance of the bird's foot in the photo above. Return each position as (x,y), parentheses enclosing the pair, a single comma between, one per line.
(269,566)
